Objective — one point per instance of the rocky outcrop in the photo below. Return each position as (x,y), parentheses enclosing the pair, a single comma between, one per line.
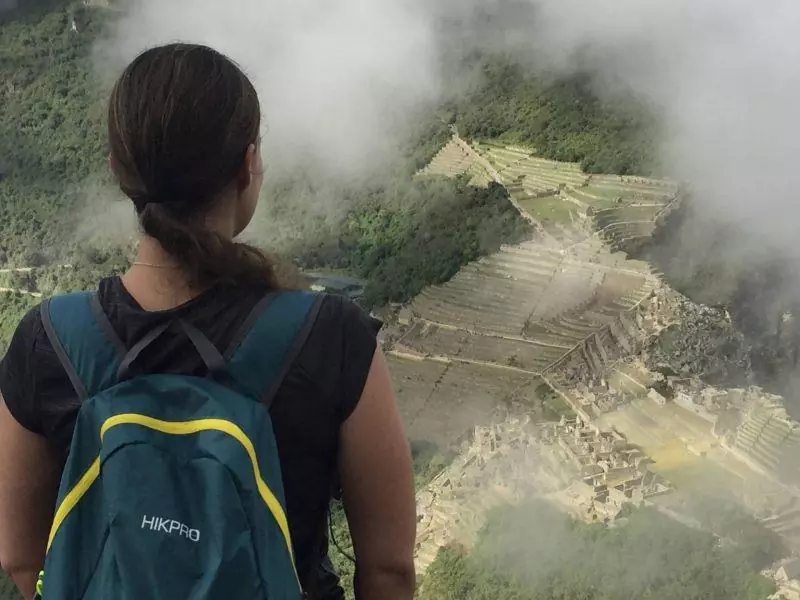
(701,342)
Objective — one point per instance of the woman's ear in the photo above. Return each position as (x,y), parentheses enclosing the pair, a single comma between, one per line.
(252,167)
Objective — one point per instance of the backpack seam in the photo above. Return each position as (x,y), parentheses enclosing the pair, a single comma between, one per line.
(247,325)
(105,324)
(294,350)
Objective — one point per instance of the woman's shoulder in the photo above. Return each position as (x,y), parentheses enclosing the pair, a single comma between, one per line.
(22,366)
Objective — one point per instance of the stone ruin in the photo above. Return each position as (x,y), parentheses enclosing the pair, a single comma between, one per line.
(499,464)
(584,370)
(613,472)
(591,473)
(786,575)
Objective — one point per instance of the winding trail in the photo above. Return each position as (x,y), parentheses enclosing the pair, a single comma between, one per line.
(4,290)
(10,270)
(7,290)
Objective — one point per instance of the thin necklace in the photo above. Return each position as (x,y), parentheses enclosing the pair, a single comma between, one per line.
(152,266)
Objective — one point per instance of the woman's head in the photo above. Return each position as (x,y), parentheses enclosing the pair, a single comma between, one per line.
(183,128)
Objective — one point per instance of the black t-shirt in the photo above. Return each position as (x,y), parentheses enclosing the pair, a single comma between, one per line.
(319,392)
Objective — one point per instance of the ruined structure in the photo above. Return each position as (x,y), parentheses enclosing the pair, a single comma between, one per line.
(612,472)
(786,575)
(569,318)
(623,210)
(457,159)
(588,472)
(504,324)
(531,327)
(498,464)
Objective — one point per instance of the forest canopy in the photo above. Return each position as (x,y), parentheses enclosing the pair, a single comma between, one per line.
(563,118)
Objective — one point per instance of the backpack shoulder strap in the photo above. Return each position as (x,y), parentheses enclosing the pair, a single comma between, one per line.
(84,341)
(269,341)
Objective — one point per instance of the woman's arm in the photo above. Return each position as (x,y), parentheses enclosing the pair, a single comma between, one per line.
(28,490)
(378,491)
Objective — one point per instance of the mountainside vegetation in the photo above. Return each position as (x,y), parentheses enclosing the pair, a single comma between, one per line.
(51,130)
(12,308)
(8,591)
(400,249)
(534,552)
(563,118)
(429,461)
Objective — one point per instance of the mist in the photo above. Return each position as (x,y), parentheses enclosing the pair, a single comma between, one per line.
(341,81)
(726,78)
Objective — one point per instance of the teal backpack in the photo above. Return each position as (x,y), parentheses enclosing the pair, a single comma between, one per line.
(173,488)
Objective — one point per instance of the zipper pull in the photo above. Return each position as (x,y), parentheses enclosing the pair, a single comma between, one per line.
(39,586)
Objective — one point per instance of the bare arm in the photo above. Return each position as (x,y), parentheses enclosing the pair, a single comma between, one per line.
(378,487)
(28,489)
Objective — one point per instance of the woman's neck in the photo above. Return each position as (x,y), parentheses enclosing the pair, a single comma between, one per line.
(150,252)
(156,280)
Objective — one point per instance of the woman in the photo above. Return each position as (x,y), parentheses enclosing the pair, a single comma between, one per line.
(183,130)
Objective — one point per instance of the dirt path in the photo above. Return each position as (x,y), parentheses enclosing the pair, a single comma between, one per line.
(24,270)
(4,290)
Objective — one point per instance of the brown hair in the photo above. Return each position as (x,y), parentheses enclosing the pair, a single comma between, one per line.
(180,120)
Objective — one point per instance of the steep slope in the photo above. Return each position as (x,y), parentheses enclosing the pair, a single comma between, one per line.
(51,134)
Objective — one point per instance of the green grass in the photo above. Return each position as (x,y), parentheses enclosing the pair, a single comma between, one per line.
(549,209)
(510,138)
(605,192)
(593,202)
(553,405)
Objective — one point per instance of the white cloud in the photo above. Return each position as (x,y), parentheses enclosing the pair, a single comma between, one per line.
(340,80)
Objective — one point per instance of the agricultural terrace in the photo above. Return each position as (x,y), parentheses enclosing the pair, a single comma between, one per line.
(568,203)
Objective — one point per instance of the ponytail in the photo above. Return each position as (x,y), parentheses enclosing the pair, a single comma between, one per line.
(206,257)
